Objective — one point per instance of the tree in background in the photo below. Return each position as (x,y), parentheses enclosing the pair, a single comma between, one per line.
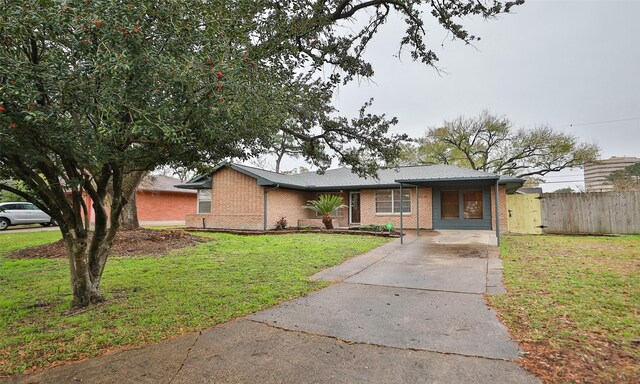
(6,195)
(627,179)
(490,143)
(564,190)
(92,92)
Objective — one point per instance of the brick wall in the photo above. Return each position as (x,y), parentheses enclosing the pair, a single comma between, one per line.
(284,202)
(236,202)
(164,206)
(289,203)
(503,208)
(369,215)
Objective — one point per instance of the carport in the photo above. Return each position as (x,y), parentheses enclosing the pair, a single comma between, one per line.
(458,212)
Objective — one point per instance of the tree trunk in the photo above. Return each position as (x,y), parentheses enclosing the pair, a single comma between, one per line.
(88,256)
(129,217)
(84,284)
(327,221)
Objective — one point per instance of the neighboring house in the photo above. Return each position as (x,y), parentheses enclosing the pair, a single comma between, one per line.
(158,199)
(595,174)
(430,196)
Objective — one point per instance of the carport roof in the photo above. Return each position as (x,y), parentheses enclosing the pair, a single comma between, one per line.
(343,178)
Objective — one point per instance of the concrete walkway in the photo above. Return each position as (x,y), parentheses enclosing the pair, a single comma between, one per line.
(411,313)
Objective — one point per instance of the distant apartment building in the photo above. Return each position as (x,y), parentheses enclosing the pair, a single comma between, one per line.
(595,174)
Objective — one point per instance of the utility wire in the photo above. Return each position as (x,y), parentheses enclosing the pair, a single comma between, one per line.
(599,122)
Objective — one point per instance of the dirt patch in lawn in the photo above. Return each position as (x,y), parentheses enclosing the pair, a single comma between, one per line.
(127,243)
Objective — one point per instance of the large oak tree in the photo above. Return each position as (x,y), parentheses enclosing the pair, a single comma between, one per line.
(93,90)
(490,143)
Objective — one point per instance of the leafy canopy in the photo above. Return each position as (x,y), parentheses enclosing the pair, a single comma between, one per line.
(490,143)
(627,179)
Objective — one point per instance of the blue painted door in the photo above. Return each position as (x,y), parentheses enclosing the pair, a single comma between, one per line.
(461,208)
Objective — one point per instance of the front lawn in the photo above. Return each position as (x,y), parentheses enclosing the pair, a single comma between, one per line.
(573,305)
(151,298)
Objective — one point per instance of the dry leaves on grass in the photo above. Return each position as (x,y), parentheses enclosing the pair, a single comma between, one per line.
(127,243)
(604,363)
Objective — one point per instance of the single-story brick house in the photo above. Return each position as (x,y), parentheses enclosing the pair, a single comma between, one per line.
(158,200)
(237,196)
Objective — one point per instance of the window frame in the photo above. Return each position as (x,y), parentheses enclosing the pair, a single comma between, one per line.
(395,202)
(199,199)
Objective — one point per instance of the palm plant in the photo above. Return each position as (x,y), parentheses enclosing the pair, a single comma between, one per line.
(324,206)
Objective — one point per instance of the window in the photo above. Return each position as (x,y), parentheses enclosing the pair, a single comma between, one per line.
(204,201)
(449,205)
(388,201)
(472,203)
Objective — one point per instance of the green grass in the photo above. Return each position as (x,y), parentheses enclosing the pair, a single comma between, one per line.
(577,294)
(11,241)
(151,298)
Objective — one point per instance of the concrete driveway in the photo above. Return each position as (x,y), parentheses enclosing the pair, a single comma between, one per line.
(401,313)
(424,295)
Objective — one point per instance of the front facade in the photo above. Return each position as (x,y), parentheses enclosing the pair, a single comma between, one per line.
(428,197)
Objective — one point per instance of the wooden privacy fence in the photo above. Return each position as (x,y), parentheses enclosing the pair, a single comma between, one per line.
(589,213)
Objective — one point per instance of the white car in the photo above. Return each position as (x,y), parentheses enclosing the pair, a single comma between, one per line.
(16,213)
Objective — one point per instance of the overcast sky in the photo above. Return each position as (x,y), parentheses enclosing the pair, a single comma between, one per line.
(574,65)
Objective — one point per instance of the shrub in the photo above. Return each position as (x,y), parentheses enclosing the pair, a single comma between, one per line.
(281,223)
(324,206)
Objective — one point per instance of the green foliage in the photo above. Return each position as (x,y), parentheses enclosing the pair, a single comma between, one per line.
(627,179)
(576,292)
(153,298)
(7,195)
(371,227)
(490,143)
(326,204)
(633,169)
(564,190)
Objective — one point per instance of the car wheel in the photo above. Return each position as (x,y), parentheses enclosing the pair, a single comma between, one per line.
(4,224)
(45,224)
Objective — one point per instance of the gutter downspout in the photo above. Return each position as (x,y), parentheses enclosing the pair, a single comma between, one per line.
(401,223)
(498,212)
(265,204)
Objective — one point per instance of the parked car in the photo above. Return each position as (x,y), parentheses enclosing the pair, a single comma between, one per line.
(16,213)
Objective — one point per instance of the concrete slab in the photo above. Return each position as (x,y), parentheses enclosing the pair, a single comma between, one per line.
(248,352)
(464,237)
(398,317)
(357,264)
(267,355)
(153,364)
(453,275)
